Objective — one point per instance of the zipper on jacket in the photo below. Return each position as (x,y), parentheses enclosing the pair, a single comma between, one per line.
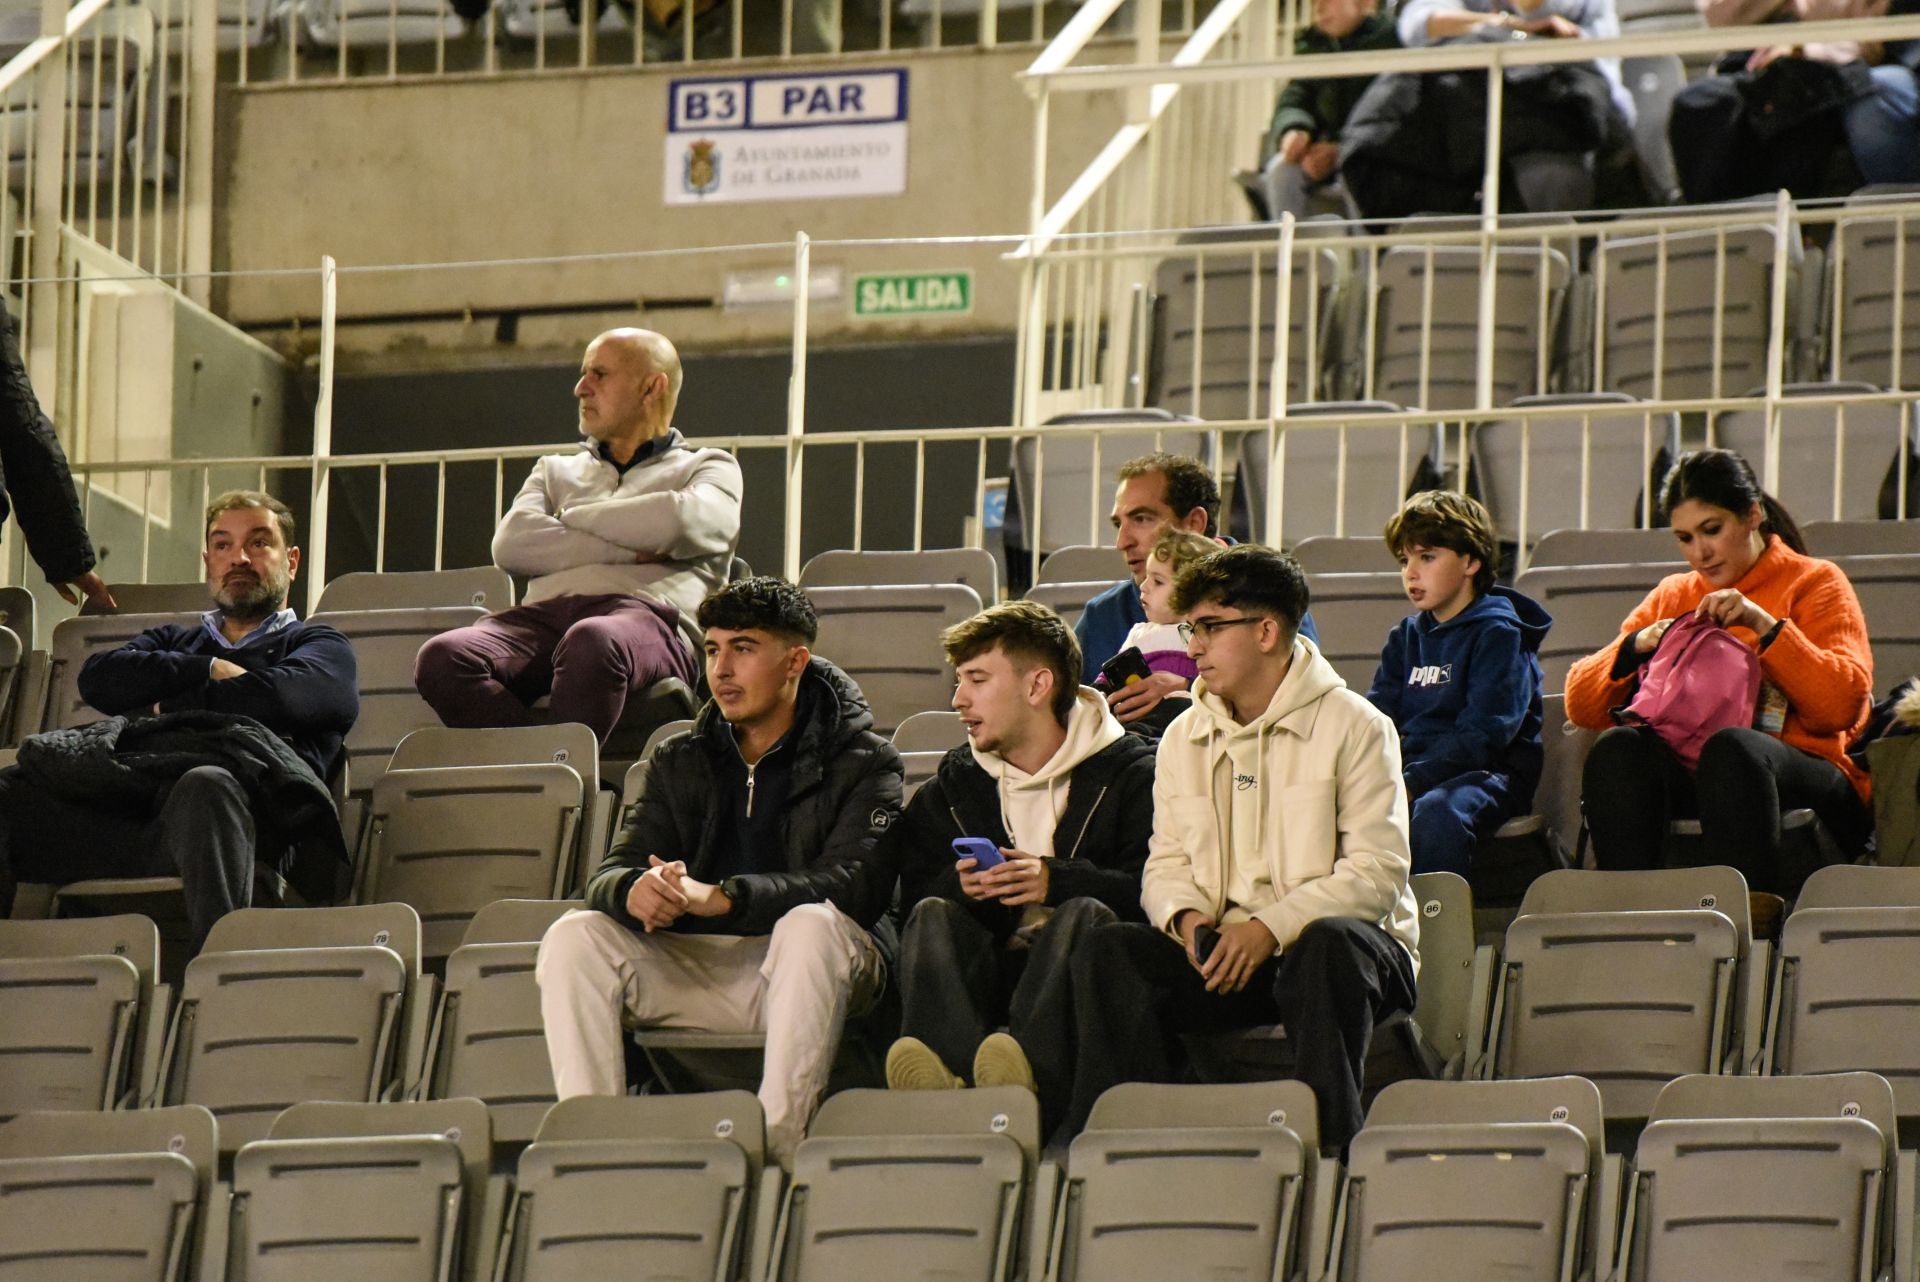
(750,770)
(1088,822)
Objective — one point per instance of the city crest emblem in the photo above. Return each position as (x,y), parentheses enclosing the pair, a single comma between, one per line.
(702,168)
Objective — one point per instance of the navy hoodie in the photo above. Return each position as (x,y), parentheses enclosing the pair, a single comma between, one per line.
(1465,694)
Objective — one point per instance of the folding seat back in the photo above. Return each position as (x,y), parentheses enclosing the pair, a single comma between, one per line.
(1785,1197)
(1874,334)
(1083,563)
(881,1177)
(451,839)
(488,1040)
(620,1186)
(369,24)
(920,767)
(929,732)
(77,1002)
(153,598)
(635,783)
(13,654)
(888,640)
(1340,478)
(1427,332)
(486,586)
(1884,585)
(1604,976)
(1068,600)
(119,1195)
(1703,333)
(973,567)
(1564,759)
(1597,466)
(1451,1007)
(1859,443)
(378,1190)
(1486,1109)
(1588,604)
(1861,538)
(17,613)
(1062,485)
(1354,554)
(1189,1181)
(285,1005)
(1843,999)
(77,639)
(1353,613)
(1573,548)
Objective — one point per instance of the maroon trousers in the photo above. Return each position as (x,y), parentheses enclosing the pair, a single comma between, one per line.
(588,652)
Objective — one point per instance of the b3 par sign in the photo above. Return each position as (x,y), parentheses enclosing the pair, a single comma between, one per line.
(743,138)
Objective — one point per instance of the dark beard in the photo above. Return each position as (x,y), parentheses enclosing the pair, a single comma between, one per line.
(252,603)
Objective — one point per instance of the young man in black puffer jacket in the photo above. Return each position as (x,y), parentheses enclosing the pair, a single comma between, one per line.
(1065,796)
(747,892)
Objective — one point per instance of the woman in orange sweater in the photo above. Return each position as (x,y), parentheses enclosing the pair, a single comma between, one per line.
(1750,573)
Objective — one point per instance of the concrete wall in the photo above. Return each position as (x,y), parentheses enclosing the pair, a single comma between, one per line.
(437,171)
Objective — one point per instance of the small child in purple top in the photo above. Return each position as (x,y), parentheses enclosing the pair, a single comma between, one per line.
(1158,639)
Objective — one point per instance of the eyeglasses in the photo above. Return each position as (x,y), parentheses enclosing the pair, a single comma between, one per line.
(1205,628)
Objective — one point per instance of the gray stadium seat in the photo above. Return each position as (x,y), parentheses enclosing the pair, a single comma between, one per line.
(1588,604)
(1705,350)
(1353,613)
(17,612)
(26,703)
(1884,585)
(1427,354)
(487,586)
(372,1190)
(929,732)
(1607,459)
(79,1012)
(153,598)
(1080,563)
(285,1005)
(488,1041)
(1355,554)
(372,24)
(635,782)
(1873,255)
(973,567)
(1383,463)
(920,767)
(1860,441)
(74,641)
(1861,538)
(1069,600)
(1652,81)
(108,1195)
(888,640)
(1568,547)
(645,1186)
(1470,1234)
(1627,978)
(13,655)
(942,1177)
(1190,1181)
(1070,479)
(1456,980)
(1557,798)
(549,21)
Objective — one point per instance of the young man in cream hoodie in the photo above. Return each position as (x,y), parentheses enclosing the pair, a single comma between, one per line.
(1066,796)
(1279,850)
(620,539)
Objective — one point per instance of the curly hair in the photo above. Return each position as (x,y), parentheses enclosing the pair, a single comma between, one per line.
(764,602)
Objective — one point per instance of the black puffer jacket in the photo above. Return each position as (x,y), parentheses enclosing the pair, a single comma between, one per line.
(33,471)
(1099,845)
(844,792)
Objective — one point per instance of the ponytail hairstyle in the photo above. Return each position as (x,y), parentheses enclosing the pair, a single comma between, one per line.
(1724,479)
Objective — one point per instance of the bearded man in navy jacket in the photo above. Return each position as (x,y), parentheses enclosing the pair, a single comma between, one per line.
(283,695)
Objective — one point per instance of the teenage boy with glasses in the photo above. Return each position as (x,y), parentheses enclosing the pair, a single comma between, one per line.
(1276,877)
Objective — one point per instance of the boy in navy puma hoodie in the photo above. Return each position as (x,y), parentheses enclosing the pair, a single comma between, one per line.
(1461,680)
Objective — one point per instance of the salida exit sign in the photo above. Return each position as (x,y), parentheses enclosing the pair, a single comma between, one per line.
(913,293)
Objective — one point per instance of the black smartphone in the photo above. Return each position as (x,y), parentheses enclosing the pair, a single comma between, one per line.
(1205,940)
(1127,666)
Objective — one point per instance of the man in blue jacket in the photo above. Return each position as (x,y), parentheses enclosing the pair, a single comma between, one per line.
(248,657)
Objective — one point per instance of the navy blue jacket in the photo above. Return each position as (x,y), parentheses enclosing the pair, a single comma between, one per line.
(1465,694)
(302,682)
(1104,624)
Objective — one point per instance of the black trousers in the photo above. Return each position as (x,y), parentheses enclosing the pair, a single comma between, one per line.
(958,983)
(1633,785)
(202,832)
(1135,992)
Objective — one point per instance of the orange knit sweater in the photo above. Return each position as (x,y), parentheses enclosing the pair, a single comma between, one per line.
(1819,659)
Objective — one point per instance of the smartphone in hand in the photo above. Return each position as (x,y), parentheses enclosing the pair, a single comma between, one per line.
(984,853)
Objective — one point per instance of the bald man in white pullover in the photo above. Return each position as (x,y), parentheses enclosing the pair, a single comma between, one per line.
(619,539)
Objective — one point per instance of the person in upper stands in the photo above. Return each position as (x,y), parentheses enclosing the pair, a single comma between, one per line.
(35,482)
(1460,680)
(619,539)
(1157,492)
(1545,178)
(747,892)
(1276,880)
(1751,573)
(1066,797)
(232,725)
(1303,142)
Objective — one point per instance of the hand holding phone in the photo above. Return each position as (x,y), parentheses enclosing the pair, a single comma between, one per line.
(984,853)
(1205,940)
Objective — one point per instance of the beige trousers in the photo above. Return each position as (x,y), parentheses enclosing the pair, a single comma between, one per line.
(796,985)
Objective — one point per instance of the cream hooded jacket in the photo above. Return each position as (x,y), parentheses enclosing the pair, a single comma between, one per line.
(1331,837)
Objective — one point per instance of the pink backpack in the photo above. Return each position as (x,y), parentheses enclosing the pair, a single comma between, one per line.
(1700,680)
